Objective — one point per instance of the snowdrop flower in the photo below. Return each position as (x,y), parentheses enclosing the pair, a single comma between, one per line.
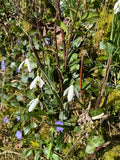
(38,81)
(117,7)
(33,104)
(18,135)
(71,91)
(59,129)
(26,61)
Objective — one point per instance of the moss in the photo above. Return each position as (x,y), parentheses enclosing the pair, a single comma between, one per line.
(112,154)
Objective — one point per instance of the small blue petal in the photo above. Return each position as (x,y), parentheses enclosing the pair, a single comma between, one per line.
(18,41)
(18,118)
(6,120)
(18,70)
(18,135)
(59,129)
(47,41)
(2,65)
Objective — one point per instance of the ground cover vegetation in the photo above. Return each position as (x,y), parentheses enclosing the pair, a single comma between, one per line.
(59,79)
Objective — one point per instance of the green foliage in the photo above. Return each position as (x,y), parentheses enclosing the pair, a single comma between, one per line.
(23,36)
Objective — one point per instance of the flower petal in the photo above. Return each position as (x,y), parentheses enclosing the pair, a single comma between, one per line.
(76,93)
(21,65)
(70,93)
(33,84)
(28,65)
(65,92)
(41,83)
(33,104)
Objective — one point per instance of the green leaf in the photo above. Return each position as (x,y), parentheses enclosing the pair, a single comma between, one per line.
(27,152)
(91,17)
(49,151)
(77,42)
(37,155)
(95,112)
(27,129)
(14,103)
(34,125)
(13,65)
(90,149)
(97,141)
(61,24)
(20,97)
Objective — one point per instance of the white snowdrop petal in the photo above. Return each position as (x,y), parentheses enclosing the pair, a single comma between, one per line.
(65,92)
(28,65)
(117,7)
(76,93)
(70,93)
(41,83)
(20,65)
(33,84)
(33,104)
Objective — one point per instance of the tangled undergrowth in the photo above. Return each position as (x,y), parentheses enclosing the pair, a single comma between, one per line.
(60,80)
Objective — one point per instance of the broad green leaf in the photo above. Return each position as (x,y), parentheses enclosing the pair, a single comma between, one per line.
(95,112)
(14,103)
(61,24)
(90,149)
(27,129)
(91,17)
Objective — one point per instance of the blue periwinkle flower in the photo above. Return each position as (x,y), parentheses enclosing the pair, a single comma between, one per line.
(6,120)
(59,128)
(18,71)
(47,41)
(2,65)
(18,135)
(18,41)
(18,118)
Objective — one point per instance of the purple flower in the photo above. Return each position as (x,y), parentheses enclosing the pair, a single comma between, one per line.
(59,128)
(47,41)
(18,41)
(18,135)
(2,65)
(18,118)
(6,120)
(18,71)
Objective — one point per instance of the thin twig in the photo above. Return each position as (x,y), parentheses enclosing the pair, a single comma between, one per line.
(74,145)
(104,83)
(34,51)
(72,29)
(62,32)
(57,61)
(39,33)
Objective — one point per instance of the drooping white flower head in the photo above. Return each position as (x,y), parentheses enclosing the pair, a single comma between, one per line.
(71,91)
(38,81)
(26,61)
(117,7)
(33,104)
